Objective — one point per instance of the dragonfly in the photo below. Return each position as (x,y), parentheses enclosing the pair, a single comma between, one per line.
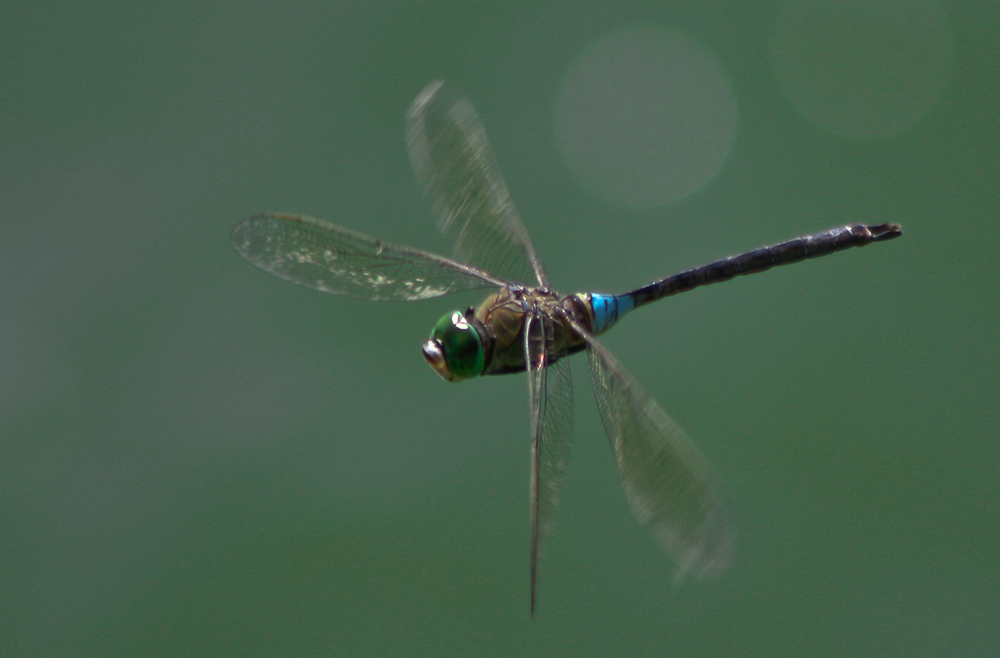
(523,325)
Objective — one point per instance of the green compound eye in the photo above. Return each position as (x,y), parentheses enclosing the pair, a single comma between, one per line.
(460,345)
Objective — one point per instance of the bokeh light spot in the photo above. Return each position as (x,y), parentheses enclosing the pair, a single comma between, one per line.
(862,69)
(645,116)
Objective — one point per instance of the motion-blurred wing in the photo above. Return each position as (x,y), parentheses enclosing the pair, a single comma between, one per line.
(456,166)
(550,395)
(330,258)
(666,479)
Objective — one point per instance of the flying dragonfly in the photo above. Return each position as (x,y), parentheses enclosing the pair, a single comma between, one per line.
(525,326)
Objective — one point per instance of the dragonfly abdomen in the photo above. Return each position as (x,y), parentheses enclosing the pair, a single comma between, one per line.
(759,260)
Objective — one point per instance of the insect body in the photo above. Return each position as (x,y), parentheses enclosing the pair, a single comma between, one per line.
(522,326)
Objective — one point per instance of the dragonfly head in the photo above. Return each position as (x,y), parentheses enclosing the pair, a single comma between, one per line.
(455,349)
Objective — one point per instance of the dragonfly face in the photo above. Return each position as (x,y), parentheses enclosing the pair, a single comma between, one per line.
(455,348)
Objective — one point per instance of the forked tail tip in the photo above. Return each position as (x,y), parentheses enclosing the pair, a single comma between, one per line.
(884,232)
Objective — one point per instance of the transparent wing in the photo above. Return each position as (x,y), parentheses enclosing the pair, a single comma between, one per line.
(456,166)
(330,258)
(666,479)
(550,394)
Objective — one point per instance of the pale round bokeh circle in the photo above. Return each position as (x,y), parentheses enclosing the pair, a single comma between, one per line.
(644,117)
(862,69)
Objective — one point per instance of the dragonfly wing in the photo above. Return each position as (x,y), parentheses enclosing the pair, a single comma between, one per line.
(456,166)
(321,255)
(666,479)
(550,394)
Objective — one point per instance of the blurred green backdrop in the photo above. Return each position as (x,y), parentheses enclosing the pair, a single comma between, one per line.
(199,459)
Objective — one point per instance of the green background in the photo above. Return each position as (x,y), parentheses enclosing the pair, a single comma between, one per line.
(198,459)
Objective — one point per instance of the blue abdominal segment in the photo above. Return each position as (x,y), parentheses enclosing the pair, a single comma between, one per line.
(608,309)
